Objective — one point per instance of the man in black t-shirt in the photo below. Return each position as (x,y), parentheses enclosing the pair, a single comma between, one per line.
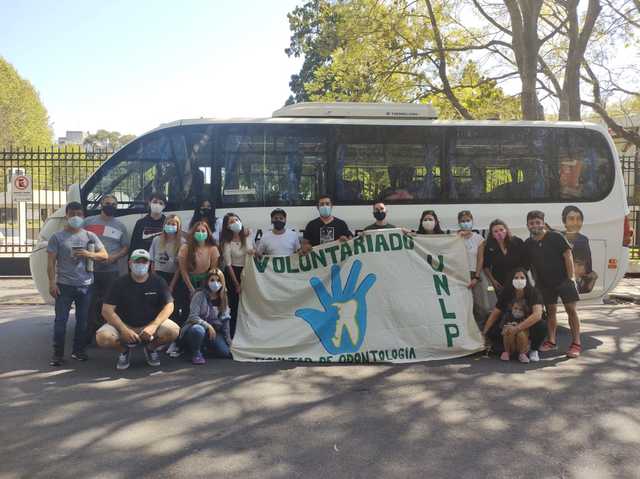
(149,226)
(137,310)
(548,255)
(325,228)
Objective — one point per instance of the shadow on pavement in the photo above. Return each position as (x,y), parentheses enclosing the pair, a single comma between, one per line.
(467,418)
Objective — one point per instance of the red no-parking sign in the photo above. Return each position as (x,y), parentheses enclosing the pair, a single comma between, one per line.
(21,188)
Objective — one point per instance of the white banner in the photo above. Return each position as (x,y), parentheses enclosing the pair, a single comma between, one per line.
(382,297)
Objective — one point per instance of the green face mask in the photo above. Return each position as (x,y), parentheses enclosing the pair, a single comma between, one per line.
(200,236)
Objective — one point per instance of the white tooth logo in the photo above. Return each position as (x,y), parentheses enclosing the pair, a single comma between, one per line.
(347,312)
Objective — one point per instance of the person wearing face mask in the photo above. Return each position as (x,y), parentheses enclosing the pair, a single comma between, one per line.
(549,256)
(235,245)
(279,241)
(380,215)
(207,213)
(149,226)
(509,328)
(502,252)
(208,327)
(472,242)
(429,224)
(195,259)
(113,235)
(137,311)
(325,228)
(70,278)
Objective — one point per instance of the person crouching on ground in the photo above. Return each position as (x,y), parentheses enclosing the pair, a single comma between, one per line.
(517,317)
(208,326)
(137,311)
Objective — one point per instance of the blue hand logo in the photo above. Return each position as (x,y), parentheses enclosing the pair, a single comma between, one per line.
(341,327)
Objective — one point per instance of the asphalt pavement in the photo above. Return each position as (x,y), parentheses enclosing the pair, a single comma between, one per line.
(473,417)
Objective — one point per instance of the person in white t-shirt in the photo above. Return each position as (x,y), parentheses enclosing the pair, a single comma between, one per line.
(472,242)
(279,241)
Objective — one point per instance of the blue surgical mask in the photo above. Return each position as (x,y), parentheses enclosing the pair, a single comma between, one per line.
(76,221)
(325,211)
(466,225)
(236,227)
(215,286)
(140,269)
(170,229)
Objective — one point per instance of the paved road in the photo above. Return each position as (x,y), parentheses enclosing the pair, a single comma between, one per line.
(467,418)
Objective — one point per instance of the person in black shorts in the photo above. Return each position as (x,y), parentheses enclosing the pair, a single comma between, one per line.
(326,228)
(549,256)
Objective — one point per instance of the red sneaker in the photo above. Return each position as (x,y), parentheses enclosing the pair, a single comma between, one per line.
(574,351)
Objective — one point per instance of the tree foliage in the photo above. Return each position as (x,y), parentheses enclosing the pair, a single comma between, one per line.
(103,139)
(23,118)
(404,51)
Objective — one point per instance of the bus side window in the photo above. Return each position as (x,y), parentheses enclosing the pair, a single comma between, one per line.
(272,165)
(499,164)
(391,164)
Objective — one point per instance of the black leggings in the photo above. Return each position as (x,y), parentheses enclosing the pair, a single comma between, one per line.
(234,297)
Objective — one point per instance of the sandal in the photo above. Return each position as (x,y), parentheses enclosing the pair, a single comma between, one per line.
(574,351)
(547,346)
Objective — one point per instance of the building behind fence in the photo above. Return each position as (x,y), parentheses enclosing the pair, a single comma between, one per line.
(55,169)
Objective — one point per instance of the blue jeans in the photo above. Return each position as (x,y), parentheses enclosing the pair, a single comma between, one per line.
(81,296)
(197,339)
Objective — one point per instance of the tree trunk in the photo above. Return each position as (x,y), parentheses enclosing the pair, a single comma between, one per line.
(524,16)
(570,101)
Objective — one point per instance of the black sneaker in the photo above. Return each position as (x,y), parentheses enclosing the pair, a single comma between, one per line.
(123,360)
(80,356)
(56,360)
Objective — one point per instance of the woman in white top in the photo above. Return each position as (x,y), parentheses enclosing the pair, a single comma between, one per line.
(472,242)
(164,251)
(235,245)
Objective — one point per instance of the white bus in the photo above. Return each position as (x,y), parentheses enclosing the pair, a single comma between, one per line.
(359,153)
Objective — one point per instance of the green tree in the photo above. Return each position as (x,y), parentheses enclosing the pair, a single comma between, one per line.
(484,99)
(23,118)
(403,51)
(103,139)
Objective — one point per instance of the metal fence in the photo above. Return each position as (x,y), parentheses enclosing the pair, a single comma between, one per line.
(631,174)
(52,170)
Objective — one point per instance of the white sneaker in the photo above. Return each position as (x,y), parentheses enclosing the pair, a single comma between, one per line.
(173,351)
(152,357)
(123,360)
(534,356)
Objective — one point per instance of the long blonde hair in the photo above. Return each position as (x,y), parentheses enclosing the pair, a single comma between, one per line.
(222,292)
(164,237)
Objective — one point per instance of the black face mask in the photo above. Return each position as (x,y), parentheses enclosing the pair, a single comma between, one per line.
(379,215)
(109,210)
(205,211)
(279,225)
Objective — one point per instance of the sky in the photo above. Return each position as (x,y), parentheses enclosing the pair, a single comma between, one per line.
(132,65)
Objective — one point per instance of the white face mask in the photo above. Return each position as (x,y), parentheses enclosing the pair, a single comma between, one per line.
(236,227)
(517,314)
(519,283)
(140,269)
(156,208)
(429,225)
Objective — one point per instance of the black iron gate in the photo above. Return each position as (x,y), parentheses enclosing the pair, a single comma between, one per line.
(631,174)
(52,171)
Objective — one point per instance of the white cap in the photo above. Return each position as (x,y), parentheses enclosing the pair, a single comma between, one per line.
(140,253)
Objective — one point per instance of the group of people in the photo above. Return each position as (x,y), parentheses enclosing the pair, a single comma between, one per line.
(181,293)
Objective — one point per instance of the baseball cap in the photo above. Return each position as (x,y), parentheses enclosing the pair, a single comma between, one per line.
(139,254)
